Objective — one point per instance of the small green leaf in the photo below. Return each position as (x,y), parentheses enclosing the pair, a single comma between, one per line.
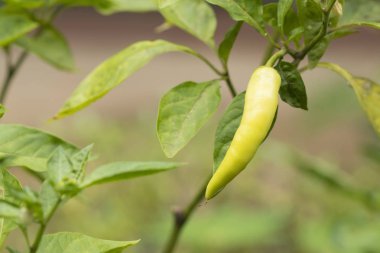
(249,11)
(193,16)
(67,242)
(80,160)
(128,6)
(8,210)
(13,26)
(320,48)
(270,15)
(62,173)
(293,29)
(114,71)
(282,10)
(311,17)
(28,147)
(51,46)
(126,170)
(292,90)
(183,111)
(2,110)
(317,52)
(226,45)
(227,127)
(10,187)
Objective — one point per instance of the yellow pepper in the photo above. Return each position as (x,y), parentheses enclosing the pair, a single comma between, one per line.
(261,101)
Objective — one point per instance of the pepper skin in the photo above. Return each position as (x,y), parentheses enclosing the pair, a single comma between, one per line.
(261,101)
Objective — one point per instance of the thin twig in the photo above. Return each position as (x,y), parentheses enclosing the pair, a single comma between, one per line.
(272,60)
(181,216)
(42,228)
(11,71)
(321,34)
(208,63)
(270,49)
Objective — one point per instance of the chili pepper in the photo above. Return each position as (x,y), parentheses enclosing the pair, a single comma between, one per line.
(261,101)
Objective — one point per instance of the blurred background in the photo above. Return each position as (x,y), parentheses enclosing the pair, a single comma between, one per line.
(327,203)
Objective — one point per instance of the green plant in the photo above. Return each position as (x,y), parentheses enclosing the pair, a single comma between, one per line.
(294,30)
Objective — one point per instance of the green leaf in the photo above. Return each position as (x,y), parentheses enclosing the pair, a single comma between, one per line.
(67,242)
(9,186)
(29,4)
(227,127)
(28,147)
(8,210)
(128,6)
(270,15)
(126,170)
(375,25)
(62,173)
(320,48)
(292,90)
(183,111)
(311,17)
(226,45)
(360,11)
(193,16)
(114,71)
(2,110)
(13,26)
(317,52)
(80,160)
(249,11)
(292,28)
(48,198)
(282,10)
(51,46)
(367,92)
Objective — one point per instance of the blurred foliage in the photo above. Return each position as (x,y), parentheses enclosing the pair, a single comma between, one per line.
(291,203)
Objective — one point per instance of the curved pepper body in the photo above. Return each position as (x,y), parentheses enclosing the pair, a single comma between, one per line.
(261,101)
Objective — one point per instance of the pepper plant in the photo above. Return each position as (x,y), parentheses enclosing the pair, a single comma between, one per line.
(298,33)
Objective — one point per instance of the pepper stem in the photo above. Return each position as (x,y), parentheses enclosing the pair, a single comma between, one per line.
(272,60)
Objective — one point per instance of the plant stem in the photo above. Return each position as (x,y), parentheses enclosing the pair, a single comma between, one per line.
(321,34)
(230,85)
(272,60)
(270,49)
(42,228)
(11,71)
(181,216)
(208,63)
(24,232)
